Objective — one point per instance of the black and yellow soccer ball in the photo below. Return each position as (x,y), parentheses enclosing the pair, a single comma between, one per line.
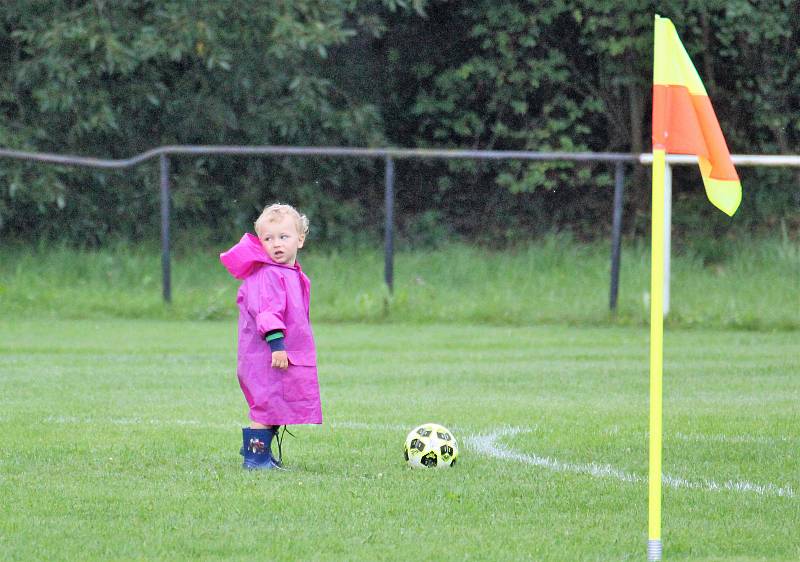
(431,445)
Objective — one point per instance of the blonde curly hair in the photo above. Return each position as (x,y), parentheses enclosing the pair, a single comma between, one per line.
(279,210)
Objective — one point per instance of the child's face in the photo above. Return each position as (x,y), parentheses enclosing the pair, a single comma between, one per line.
(281,240)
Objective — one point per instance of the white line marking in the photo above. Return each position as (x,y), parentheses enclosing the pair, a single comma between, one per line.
(207,424)
(611,431)
(136,421)
(363,425)
(488,445)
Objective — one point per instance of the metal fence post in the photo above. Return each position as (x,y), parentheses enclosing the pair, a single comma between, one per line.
(616,234)
(165,212)
(388,267)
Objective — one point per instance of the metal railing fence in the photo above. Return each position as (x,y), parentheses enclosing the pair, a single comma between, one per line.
(389,155)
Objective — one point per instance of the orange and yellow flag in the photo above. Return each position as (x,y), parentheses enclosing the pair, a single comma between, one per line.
(684,121)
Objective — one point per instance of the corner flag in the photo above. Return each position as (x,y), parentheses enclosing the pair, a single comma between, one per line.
(683,123)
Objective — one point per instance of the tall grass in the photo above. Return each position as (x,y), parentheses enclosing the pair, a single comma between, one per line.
(757,286)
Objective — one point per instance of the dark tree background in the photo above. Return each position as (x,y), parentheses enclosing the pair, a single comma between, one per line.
(111,79)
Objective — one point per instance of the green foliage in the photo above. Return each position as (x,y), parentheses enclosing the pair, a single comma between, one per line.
(112,79)
(575,75)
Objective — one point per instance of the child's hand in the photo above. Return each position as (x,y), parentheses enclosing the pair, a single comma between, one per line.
(280,359)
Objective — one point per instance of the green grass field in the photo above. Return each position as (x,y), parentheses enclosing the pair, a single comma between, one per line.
(119,440)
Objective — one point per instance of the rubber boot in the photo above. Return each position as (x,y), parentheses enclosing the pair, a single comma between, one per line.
(257,449)
(278,460)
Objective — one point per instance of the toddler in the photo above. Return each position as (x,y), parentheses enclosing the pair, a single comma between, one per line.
(276,354)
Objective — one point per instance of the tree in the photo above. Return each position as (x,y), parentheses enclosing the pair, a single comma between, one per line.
(113,79)
(576,75)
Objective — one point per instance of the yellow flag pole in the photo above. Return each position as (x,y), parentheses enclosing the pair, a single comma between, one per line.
(654,545)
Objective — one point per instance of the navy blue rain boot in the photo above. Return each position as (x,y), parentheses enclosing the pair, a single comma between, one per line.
(257,446)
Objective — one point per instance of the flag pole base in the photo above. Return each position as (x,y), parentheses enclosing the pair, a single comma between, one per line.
(654,549)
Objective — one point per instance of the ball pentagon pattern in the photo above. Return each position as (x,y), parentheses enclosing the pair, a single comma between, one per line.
(431,445)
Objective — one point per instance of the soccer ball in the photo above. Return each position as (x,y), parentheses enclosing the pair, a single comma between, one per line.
(431,446)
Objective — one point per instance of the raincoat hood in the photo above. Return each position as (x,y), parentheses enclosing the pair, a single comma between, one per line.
(247,255)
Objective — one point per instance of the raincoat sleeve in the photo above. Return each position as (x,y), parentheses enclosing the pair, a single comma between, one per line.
(269,306)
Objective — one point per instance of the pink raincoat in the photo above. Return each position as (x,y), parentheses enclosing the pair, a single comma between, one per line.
(274,297)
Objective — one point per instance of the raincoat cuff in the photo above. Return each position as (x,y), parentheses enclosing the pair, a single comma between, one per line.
(269,321)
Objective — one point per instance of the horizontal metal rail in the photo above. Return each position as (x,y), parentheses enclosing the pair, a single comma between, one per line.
(449,154)
(180,150)
(789,160)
